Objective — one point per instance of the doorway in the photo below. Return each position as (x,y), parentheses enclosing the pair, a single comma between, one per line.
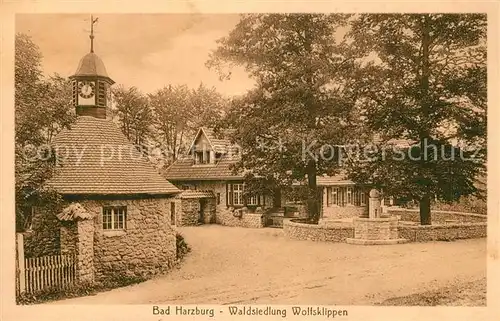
(201,216)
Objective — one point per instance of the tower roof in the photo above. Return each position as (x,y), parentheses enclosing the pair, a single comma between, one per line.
(91,65)
(97,159)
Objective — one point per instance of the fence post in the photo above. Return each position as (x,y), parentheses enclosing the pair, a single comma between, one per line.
(20,262)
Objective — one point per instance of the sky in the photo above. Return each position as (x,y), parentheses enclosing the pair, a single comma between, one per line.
(147,51)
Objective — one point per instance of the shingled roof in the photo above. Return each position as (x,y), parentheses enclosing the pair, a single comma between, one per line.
(96,158)
(91,65)
(184,169)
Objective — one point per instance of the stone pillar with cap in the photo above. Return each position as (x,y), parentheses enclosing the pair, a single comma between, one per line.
(77,238)
(374,208)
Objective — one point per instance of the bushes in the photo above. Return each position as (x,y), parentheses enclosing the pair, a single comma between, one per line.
(469,204)
(181,246)
(79,289)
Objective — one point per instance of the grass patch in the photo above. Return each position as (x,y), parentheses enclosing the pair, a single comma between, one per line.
(460,294)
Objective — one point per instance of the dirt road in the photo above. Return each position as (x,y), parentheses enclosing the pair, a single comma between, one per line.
(236,265)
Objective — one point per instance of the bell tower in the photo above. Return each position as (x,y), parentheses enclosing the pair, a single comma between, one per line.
(91,85)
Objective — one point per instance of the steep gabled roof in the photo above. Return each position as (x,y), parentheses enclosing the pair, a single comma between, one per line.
(96,158)
(218,144)
(185,169)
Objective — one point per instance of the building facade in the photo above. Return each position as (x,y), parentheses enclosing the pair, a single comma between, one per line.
(115,202)
(212,191)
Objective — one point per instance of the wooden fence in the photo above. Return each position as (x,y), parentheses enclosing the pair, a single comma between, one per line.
(46,272)
(54,271)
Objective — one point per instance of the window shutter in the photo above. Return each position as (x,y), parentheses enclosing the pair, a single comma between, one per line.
(227,195)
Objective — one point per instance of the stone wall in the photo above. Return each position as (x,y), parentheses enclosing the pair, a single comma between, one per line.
(178,212)
(189,212)
(437,217)
(44,237)
(446,232)
(227,217)
(147,246)
(302,231)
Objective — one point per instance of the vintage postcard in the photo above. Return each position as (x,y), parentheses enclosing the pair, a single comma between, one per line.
(196,161)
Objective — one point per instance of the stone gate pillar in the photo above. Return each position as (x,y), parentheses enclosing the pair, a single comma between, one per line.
(77,237)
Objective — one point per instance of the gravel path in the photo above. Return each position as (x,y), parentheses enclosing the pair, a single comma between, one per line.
(231,265)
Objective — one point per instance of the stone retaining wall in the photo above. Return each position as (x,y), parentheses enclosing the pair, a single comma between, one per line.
(227,217)
(438,217)
(445,232)
(294,229)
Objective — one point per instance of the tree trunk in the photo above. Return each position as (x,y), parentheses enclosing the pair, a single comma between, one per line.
(425,210)
(425,203)
(312,193)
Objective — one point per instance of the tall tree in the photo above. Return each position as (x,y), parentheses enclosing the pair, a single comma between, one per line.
(425,82)
(171,116)
(207,107)
(133,112)
(42,109)
(302,100)
(179,112)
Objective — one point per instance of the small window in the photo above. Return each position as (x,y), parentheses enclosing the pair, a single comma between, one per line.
(237,194)
(253,200)
(218,198)
(114,218)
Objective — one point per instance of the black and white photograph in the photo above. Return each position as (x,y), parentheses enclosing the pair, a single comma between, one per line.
(250,164)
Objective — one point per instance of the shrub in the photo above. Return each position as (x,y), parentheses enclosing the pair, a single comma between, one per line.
(51,294)
(468,204)
(79,289)
(181,246)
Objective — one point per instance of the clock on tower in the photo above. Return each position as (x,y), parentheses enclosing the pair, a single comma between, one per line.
(91,84)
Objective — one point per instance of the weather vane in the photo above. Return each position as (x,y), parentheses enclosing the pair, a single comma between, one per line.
(92,22)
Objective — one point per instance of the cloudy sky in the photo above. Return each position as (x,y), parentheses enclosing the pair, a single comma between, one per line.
(148,51)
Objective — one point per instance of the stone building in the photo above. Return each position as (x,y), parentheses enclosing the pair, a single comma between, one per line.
(212,192)
(117,206)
